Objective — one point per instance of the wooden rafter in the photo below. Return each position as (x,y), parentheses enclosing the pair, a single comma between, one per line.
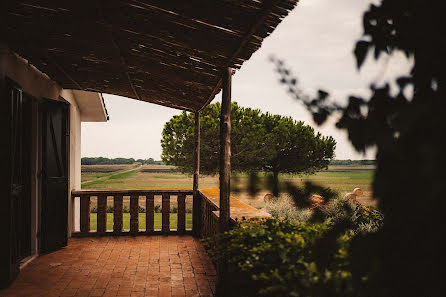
(116,47)
(170,53)
(243,42)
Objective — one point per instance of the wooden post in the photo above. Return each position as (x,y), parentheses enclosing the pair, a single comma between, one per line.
(225,151)
(134,214)
(196,202)
(117,213)
(150,213)
(181,213)
(85,214)
(165,212)
(102,214)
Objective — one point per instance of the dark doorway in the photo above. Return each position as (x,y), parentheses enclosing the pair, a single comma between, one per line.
(21,176)
(16,125)
(54,144)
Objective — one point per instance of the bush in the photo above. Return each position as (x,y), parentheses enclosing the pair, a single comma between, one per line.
(284,208)
(280,258)
(362,219)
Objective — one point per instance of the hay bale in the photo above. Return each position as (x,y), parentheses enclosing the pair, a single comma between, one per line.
(268,198)
(317,201)
(358,192)
(350,196)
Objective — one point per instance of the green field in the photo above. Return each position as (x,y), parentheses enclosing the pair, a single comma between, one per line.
(342,179)
(142,221)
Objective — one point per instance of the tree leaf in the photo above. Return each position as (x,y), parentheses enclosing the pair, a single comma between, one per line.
(361,52)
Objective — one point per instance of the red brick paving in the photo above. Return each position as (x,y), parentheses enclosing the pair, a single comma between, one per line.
(171,266)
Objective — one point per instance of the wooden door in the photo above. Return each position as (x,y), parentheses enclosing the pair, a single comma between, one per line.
(21,172)
(15,197)
(54,133)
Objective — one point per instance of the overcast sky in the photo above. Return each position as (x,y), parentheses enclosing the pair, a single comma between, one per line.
(315,40)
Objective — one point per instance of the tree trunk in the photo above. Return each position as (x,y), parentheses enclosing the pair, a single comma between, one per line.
(276,183)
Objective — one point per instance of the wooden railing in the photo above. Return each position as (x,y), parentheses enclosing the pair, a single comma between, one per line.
(205,214)
(134,197)
(209,216)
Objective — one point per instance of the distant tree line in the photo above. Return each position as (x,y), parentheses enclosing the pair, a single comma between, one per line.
(149,161)
(117,161)
(353,162)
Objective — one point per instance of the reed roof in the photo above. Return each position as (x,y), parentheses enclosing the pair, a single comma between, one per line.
(168,52)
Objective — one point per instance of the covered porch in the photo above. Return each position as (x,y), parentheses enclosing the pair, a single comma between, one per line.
(171,53)
(132,262)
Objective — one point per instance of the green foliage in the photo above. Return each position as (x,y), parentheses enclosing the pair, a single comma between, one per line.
(355,216)
(106,161)
(405,123)
(149,161)
(353,162)
(360,218)
(116,161)
(284,208)
(258,142)
(277,258)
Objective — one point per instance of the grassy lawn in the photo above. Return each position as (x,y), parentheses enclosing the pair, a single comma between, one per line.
(142,221)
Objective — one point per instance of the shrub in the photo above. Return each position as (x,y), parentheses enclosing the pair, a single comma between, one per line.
(274,257)
(284,208)
(362,219)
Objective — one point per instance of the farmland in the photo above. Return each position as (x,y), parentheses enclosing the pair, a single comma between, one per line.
(342,179)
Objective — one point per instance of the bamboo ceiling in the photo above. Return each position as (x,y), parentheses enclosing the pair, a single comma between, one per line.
(168,52)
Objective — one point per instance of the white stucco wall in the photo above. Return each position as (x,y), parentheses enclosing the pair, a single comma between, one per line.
(39,85)
(75,157)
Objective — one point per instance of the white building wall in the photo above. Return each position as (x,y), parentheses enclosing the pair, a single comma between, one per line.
(75,159)
(39,85)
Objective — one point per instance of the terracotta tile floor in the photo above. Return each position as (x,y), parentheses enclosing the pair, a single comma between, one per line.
(120,266)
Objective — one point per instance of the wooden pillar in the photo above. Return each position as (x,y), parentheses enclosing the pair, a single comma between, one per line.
(225,151)
(196,214)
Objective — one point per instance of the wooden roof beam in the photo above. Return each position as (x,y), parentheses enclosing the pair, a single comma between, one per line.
(116,47)
(265,13)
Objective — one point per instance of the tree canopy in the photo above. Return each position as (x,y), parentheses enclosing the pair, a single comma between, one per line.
(106,161)
(116,161)
(259,142)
